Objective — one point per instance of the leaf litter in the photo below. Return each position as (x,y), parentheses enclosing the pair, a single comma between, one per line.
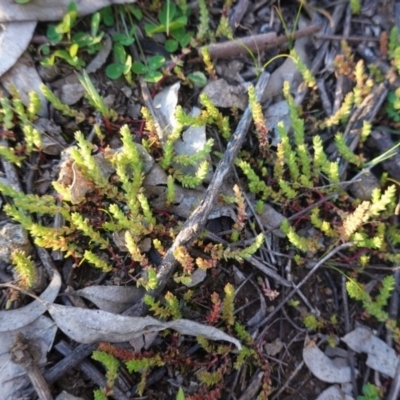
(103,324)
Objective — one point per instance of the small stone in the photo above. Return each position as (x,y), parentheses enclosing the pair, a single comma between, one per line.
(365,185)
(13,237)
(71,93)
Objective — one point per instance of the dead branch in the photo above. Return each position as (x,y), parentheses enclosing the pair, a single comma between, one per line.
(242,46)
(197,221)
(22,355)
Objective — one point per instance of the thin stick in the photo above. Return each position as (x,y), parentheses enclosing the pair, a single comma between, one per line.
(242,46)
(195,224)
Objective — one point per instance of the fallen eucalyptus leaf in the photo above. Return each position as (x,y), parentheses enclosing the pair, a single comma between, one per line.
(322,366)
(193,140)
(66,396)
(262,310)
(275,113)
(270,219)
(197,276)
(381,357)
(52,141)
(89,326)
(40,333)
(114,299)
(14,39)
(50,10)
(24,77)
(16,319)
(166,101)
(288,71)
(334,393)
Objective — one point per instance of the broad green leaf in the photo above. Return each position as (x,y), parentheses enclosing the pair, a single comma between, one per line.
(127,65)
(167,14)
(114,71)
(135,11)
(107,16)
(198,79)
(178,33)
(73,50)
(123,39)
(178,23)
(153,76)
(156,62)
(139,68)
(52,35)
(74,61)
(151,29)
(185,40)
(45,49)
(171,45)
(180,395)
(94,23)
(119,53)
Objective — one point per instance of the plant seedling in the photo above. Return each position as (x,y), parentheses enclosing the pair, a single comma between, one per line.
(95,99)
(122,64)
(172,22)
(150,70)
(80,40)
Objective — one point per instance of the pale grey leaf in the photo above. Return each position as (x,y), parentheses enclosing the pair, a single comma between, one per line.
(88,326)
(114,299)
(16,319)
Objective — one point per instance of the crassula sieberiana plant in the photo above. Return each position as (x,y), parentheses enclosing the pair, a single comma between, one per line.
(107,225)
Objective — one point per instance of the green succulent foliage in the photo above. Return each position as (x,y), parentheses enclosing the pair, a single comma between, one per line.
(172,20)
(374,307)
(90,42)
(370,392)
(122,61)
(150,71)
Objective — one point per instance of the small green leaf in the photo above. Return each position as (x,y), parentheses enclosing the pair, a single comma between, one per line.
(156,62)
(185,40)
(73,50)
(127,65)
(123,39)
(180,395)
(95,23)
(48,61)
(171,45)
(178,34)
(45,49)
(178,23)
(139,68)
(115,71)
(135,11)
(167,14)
(22,1)
(119,53)
(151,29)
(52,35)
(198,79)
(107,16)
(153,76)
